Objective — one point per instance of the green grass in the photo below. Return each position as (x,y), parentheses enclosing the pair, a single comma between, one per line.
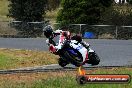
(11,59)
(59,79)
(5,61)
(70,82)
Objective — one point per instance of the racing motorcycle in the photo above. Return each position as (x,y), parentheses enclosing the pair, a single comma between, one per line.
(72,52)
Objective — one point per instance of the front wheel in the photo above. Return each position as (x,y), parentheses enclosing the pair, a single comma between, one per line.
(62,63)
(93,59)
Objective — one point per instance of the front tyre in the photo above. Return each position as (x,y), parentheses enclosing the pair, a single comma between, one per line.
(93,59)
(62,63)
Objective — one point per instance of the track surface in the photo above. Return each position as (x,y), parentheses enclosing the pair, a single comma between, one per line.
(111,52)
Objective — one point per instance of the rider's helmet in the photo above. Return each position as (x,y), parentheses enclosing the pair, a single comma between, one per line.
(48,31)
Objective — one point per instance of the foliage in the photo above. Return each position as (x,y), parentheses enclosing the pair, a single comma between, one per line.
(27,11)
(82,11)
(129,1)
(117,16)
(53,4)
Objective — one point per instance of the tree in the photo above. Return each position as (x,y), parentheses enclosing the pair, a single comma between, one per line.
(53,4)
(82,11)
(129,1)
(117,16)
(119,1)
(27,11)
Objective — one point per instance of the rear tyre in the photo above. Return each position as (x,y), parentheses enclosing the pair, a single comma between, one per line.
(62,63)
(93,59)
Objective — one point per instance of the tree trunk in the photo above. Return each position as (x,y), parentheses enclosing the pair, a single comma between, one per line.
(120,1)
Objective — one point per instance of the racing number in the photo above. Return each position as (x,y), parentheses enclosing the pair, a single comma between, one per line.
(79,47)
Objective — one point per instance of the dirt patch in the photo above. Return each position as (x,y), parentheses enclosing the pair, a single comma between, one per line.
(32,77)
(27,58)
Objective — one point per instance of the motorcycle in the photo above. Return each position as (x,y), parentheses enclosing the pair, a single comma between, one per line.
(72,52)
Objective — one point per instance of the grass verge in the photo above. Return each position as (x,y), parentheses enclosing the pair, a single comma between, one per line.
(11,59)
(59,79)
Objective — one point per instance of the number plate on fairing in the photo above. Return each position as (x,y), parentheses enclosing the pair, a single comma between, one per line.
(79,47)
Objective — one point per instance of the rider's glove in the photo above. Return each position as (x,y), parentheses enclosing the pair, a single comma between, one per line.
(47,42)
(52,48)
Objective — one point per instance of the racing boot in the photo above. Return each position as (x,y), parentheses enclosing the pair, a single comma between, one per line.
(86,45)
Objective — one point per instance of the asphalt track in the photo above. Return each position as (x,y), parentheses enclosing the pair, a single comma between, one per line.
(111,52)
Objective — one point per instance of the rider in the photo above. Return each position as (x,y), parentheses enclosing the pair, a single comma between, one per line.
(65,35)
(51,35)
